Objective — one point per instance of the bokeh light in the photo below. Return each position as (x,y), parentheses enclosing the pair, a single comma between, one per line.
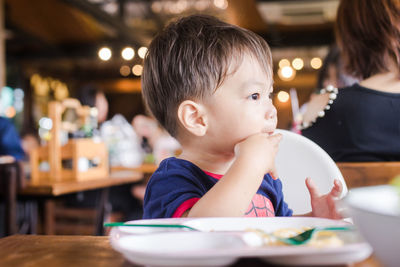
(137,70)
(105,53)
(284,63)
(142,52)
(222,4)
(125,70)
(127,53)
(286,73)
(283,96)
(297,63)
(316,63)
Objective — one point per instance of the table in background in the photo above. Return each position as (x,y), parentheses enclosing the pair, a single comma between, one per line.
(37,250)
(358,174)
(47,191)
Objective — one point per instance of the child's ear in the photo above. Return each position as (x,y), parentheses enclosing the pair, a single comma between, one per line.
(192,116)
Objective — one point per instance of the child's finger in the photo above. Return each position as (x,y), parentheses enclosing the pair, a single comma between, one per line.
(332,208)
(339,184)
(312,188)
(337,188)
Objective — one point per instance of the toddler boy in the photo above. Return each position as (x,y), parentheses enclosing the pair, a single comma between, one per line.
(209,84)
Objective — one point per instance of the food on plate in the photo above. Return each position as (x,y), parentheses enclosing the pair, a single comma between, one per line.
(320,239)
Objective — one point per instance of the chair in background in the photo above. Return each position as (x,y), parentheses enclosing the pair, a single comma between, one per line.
(299,158)
(11,180)
(359,174)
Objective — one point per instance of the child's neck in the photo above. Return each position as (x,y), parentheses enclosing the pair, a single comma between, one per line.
(210,162)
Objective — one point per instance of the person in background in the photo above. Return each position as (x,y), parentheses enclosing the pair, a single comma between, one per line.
(155,142)
(10,141)
(10,150)
(90,96)
(361,121)
(120,197)
(331,74)
(209,84)
(29,142)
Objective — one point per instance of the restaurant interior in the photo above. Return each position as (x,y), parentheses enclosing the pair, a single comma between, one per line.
(80,171)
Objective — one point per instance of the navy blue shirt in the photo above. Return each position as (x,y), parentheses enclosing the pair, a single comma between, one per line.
(10,143)
(361,125)
(178,184)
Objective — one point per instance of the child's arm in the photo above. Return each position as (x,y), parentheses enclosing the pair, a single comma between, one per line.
(324,205)
(233,193)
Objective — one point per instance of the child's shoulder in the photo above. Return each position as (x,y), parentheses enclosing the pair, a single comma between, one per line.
(175,166)
(177,171)
(174,163)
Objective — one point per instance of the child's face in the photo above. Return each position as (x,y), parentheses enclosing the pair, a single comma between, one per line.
(241,106)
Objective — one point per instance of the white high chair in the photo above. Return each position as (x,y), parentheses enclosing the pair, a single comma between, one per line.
(299,157)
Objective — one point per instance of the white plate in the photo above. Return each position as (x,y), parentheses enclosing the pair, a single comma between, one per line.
(158,247)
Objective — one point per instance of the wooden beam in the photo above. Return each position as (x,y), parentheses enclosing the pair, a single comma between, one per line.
(130,35)
(245,14)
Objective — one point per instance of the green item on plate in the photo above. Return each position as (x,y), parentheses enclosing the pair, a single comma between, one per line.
(306,236)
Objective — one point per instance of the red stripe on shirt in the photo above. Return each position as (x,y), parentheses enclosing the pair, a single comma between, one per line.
(214,175)
(260,206)
(187,204)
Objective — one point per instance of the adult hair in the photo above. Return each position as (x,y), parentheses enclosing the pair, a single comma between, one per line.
(87,95)
(368,34)
(190,59)
(331,59)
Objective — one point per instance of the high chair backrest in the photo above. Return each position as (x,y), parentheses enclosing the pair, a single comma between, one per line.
(298,158)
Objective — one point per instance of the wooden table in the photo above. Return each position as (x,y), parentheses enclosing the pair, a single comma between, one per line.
(55,189)
(47,191)
(357,174)
(36,250)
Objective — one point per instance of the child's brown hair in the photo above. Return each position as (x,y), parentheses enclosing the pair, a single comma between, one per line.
(190,58)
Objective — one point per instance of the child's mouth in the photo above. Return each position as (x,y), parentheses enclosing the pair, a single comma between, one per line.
(267,132)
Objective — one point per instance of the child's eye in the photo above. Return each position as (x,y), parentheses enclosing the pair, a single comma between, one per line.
(255,96)
(271,95)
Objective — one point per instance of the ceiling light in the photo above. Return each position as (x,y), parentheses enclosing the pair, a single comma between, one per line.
(127,53)
(125,70)
(142,52)
(284,63)
(137,70)
(286,73)
(105,53)
(316,63)
(297,63)
(222,4)
(283,96)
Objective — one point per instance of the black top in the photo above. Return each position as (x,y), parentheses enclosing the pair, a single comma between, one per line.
(361,125)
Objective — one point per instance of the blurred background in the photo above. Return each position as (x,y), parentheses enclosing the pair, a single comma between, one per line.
(51,48)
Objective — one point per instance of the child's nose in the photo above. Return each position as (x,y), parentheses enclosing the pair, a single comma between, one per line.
(271,112)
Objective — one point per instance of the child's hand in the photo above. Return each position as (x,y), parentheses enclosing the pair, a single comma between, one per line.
(324,206)
(259,150)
